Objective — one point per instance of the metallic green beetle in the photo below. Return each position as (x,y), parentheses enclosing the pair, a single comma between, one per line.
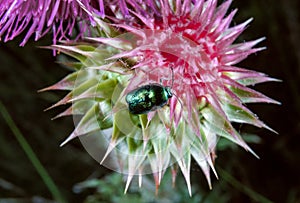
(148,98)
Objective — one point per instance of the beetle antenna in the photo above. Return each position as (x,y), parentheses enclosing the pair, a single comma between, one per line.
(172,77)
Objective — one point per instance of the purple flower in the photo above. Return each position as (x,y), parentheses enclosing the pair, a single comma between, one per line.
(38,17)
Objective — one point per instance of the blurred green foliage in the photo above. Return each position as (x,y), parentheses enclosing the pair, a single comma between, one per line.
(275,176)
(108,190)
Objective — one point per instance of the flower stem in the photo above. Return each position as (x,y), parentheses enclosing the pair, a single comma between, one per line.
(32,156)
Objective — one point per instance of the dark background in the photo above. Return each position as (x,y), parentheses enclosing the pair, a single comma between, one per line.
(24,70)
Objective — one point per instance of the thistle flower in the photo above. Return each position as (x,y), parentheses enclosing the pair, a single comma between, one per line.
(61,17)
(186,45)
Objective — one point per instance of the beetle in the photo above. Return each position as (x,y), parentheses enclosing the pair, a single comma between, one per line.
(148,98)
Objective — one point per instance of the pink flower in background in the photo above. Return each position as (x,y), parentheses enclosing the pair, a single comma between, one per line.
(38,18)
(62,17)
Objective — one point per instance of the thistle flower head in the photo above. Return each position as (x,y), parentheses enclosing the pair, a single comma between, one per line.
(61,17)
(185,45)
